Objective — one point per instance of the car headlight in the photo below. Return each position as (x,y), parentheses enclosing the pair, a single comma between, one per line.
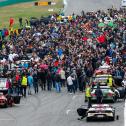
(109,114)
(90,114)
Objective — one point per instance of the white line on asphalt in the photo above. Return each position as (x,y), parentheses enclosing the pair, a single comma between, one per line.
(67,111)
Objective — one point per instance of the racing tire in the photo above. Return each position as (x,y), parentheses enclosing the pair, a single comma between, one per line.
(112,118)
(116,97)
(114,100)
(88,119)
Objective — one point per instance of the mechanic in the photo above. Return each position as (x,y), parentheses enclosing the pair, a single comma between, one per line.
(99,94)
(88,95)
(24,85)
(110,81)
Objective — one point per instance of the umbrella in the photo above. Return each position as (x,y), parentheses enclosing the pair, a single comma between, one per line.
(101,24)
(37,34)
(55,35)
(111,24)
(44,66)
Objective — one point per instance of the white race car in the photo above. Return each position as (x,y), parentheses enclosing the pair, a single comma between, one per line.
(123,3)
(100,112)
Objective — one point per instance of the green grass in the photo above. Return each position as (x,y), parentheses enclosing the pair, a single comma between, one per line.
(26,10)
(11,2)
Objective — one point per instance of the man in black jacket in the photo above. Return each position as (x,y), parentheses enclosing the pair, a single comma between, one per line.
(99,94)
(42,77)
(35,82)
(58,82)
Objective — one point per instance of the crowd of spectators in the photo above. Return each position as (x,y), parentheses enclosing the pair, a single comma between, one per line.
(65,51)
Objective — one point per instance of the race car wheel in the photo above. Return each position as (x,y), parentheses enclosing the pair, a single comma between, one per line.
(112,118)
(116,97)
(88,119)
(114,100)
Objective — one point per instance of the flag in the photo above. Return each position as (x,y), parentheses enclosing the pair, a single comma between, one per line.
(11,22)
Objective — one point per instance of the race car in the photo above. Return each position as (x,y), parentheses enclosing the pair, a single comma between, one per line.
(121,92)
(3,100)
(105,69)
(100,112)
(3,85)
(108,94)
(101,79)
(123,3)
(9,100)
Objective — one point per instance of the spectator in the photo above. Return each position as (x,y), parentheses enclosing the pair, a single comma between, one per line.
(20,22)
(24,83)
(70,84)
(35,82)
(30,84)
(88,95)
(58,82)
(99,94)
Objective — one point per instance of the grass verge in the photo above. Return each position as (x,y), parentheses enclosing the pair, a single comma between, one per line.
(26,10)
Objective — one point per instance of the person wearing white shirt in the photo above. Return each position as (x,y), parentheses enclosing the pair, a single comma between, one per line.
(124,84)
(10,57)
(70,84)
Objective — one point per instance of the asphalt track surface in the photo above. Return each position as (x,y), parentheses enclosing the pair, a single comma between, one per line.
(52,109)
(77,6)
